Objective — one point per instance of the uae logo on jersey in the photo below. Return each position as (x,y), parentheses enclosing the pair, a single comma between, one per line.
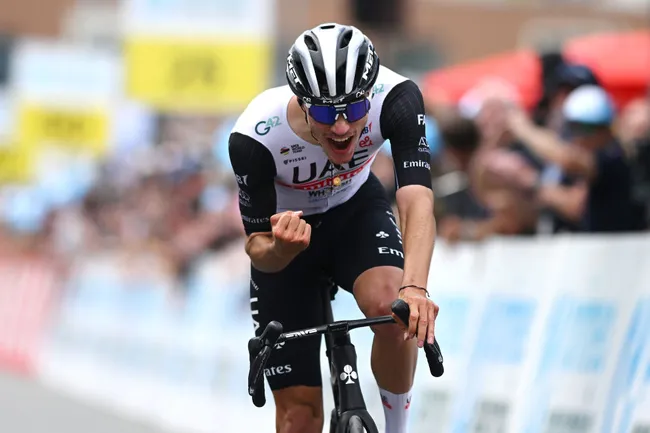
(285,150)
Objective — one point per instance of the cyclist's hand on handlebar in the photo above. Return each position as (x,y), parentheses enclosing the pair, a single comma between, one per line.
(423,313)
(291,234)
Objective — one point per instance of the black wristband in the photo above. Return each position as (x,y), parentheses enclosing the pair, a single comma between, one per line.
(414,286)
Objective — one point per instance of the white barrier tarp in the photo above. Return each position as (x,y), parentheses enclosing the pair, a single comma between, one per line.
(539,336)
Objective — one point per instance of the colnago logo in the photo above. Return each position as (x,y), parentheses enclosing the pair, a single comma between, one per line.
(417,164)
(348,375)
(300,333)
(278,371)
(314,181)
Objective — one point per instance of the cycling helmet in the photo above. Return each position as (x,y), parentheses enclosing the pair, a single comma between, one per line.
(332,64)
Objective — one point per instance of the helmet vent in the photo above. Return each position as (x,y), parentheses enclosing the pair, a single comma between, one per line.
(327,27)
(311,44)
(344,41)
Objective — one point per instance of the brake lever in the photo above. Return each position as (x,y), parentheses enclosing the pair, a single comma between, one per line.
(432,351)
(259,350)
(255,386)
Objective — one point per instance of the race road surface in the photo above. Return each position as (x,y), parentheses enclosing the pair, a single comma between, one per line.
(27,407)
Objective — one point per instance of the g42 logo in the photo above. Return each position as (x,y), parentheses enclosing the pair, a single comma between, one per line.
(263,127)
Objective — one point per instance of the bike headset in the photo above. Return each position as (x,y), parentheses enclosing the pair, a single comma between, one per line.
(331,69)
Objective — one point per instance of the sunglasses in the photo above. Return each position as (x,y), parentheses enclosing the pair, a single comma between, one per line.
(328,114)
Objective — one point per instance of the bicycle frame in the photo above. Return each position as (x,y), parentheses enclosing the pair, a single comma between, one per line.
(346,388)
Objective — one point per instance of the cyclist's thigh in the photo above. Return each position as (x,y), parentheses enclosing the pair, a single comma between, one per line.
(372,238)
(291,297)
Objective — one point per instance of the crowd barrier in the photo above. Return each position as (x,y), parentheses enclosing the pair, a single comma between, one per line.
(545,335)
(29,289)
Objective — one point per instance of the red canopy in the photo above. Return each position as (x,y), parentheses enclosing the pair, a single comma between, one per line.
(521,70)
(621,61)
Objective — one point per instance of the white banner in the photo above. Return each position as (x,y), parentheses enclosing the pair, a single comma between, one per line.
(539,336)
(57,73)
(228,19)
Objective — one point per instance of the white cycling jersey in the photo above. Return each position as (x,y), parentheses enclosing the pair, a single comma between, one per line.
(264,149)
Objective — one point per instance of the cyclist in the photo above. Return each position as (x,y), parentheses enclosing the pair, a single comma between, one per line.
(314,213)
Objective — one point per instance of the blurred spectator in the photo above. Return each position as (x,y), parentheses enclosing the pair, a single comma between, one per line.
(460,212)
(633,125)
(562,80)
(513,210)
(633,128)
(601,201)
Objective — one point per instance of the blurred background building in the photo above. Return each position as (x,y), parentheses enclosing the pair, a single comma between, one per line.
(121,257)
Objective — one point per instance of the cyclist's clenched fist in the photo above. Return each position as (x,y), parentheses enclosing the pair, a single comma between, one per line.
(291,233)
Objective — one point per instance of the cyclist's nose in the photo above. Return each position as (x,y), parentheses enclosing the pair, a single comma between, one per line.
(341,126)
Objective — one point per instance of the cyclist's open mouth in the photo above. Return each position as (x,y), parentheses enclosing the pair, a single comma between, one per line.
(340,145)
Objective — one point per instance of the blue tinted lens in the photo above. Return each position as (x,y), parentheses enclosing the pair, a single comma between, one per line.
(356,110)
(327,114)
(323,113)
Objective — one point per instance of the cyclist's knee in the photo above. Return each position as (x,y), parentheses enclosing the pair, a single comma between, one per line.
(299,410)
(375,291)
(392,332)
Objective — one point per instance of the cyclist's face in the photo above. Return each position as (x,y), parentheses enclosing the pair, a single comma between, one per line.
(340,139)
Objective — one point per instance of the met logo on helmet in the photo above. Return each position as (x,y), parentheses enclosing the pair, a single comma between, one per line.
(370,60)
(291,71)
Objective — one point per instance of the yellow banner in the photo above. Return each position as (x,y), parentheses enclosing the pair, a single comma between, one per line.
(16,164)
(85,129)
(196,75)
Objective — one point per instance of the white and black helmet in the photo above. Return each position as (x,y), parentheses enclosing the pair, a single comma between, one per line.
(331,64)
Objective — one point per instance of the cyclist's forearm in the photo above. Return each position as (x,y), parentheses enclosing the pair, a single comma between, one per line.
(415,204)
(264,258)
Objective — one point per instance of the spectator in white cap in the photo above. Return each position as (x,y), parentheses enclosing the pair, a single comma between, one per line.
(601,201)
